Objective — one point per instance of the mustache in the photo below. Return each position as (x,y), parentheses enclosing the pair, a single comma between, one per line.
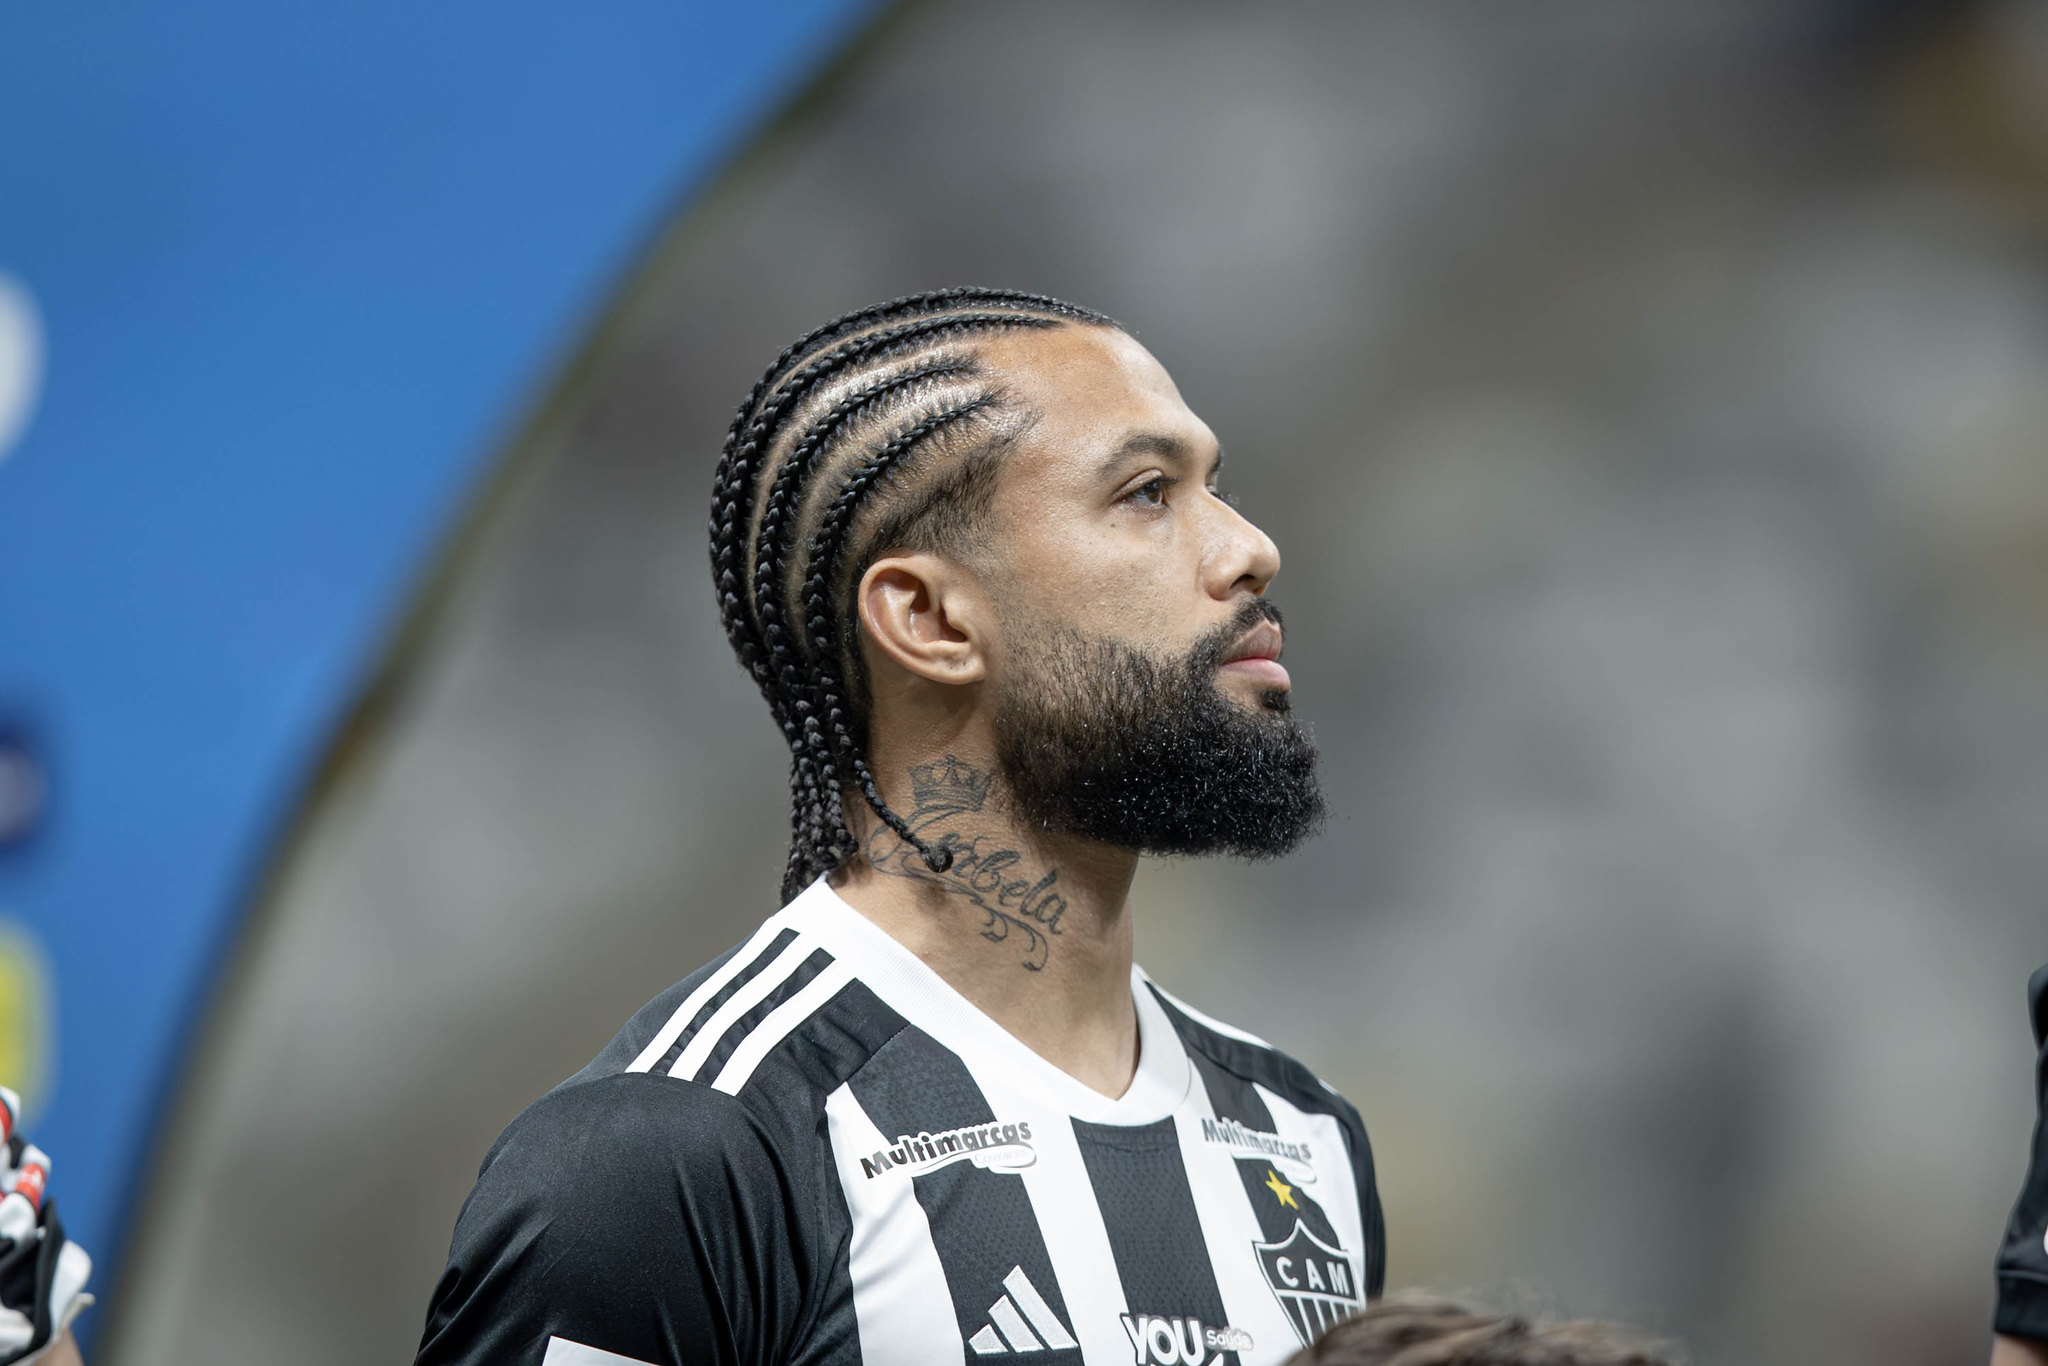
(1207,656)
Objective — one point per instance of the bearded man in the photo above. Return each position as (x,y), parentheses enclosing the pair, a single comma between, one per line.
(971,547)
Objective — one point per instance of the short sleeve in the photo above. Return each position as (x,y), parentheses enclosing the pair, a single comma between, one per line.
(2023,1259)
(646,1217)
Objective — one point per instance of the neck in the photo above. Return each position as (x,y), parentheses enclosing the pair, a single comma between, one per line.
(1034,929)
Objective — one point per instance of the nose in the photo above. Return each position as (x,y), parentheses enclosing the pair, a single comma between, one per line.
(1240,559)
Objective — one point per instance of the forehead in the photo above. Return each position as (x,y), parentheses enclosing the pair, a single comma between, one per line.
(1090,389)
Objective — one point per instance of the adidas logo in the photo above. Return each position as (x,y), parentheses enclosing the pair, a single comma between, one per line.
(1013,1317)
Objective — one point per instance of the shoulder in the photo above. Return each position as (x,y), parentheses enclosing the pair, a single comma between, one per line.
(782,1013)
(622,1170)
(674,1190)
(651,1020)
(606,1137)
(1250,1058)
(623,1212)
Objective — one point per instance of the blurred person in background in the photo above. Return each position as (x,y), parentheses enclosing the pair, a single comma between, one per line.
(1421,1331)
(43,1274)
(972,547)
(2021,1320)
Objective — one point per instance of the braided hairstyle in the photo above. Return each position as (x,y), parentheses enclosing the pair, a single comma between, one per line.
(879,430)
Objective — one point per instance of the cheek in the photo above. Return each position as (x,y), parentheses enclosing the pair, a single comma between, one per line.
(1099,578)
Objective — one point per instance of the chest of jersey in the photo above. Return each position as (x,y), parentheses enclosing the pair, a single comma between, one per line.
(985,1226)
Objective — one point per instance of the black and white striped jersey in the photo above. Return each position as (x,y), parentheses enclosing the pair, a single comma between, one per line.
(816,1151)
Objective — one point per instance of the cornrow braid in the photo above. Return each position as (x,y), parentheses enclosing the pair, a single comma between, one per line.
(776,390)
(829,545)
(885,405)
(735,496)
(770,548)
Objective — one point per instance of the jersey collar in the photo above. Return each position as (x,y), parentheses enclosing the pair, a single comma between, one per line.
(910,987)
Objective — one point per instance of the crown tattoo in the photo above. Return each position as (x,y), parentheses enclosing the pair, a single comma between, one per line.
(948,785)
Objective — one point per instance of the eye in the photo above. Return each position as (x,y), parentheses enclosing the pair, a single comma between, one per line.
(1151,493)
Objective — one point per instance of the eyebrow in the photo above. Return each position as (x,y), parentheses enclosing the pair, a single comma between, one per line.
(1152,443)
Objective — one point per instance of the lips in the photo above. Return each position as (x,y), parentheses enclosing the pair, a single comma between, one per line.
(1257,657)
(1263,641)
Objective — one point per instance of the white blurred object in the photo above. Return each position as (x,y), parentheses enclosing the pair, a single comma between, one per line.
(21,360)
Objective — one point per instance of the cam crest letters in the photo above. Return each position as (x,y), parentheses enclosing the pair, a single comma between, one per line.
(1312,1280)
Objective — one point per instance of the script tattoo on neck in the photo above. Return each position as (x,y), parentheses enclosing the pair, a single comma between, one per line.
(984,872)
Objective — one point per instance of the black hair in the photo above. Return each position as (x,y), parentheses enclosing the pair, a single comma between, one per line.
(885,411)
(1418,1329)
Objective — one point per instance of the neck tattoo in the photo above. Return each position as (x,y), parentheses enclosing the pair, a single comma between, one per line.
(985,872)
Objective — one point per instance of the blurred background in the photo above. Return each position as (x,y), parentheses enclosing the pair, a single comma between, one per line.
(1649,403)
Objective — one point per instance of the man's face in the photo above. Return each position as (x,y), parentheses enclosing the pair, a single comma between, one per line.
(1107,516)
(1140,698)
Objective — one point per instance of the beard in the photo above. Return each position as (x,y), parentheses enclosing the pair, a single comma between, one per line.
(1099,739)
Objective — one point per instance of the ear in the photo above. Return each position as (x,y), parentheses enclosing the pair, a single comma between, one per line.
(928,615)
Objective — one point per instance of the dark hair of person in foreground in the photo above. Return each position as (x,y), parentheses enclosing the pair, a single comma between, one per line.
(1414,1330)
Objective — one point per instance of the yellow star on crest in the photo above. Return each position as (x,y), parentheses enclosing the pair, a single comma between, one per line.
(1280,1189)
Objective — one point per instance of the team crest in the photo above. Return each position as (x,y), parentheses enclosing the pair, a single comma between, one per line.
(1312,1281)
